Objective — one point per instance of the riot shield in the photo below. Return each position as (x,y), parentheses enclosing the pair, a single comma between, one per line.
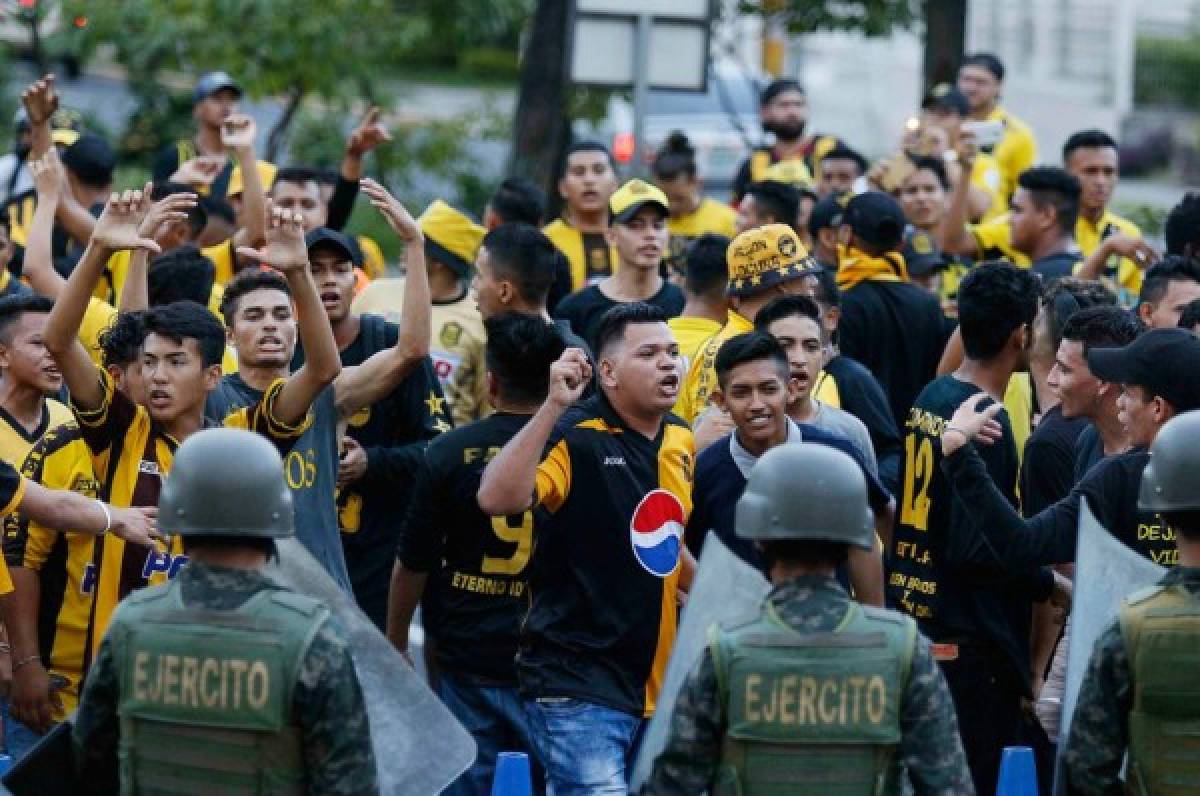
(1106,572)
(48,769)
(725,589)
(420,747)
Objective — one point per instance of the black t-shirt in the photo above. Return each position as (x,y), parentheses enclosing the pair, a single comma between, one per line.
(475,598)
(394,433)
(1056,266)
(860,395)
(942,570)
(1048,467)
(898,331)
(1089,449)
(1111,488)
(583,309)
(166,163)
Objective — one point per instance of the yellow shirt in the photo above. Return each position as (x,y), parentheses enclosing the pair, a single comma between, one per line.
(456,345)
(1018,403)
(691,334)
(987,177)
(994,239)
(1016,151)
(701,377)
(98,316)
(373,264)
(585,269)
(711,216)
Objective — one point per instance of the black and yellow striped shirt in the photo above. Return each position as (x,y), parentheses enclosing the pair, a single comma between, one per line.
(605,569)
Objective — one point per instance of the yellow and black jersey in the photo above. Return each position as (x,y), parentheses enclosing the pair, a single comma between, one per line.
(754,168)
(942,572)
(67,563)
(131,455)
(588,253)
(710,216)
(16,440)
(604,574)
(477,564)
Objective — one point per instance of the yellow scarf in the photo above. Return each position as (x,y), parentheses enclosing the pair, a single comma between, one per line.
(855,266)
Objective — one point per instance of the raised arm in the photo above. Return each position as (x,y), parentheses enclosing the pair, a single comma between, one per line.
(237,133)
(510,478)
(382,372)
(172,209)
(49,178)
(1132,248)
(369,134)
(285,251)
(116,230)
(40,101)
(953,234)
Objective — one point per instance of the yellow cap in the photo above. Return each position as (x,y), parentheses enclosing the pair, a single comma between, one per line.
(453,237)
(266,175)
(64,137)
(632,197)
(790,172)
(762,257)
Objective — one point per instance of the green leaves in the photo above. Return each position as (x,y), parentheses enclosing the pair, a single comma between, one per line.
(871,17)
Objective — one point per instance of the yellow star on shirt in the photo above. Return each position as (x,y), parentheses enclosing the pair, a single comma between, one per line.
(755,280)
(435,403)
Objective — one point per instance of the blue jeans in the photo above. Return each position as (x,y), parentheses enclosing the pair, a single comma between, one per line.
(585,748)
(496,719)
(18,739)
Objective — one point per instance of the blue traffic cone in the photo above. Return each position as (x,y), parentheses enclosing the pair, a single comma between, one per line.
(512,775)
(1018,773)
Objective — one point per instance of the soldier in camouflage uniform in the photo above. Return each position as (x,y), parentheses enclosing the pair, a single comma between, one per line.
(222,681)
(817,695)
(1139,692)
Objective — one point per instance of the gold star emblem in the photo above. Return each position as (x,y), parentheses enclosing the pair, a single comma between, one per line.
(755,280)
(435,403)
(738,283)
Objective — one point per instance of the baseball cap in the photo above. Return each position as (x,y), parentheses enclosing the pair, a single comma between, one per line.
(827,213)
(450,236)
(1164,361)
(632,197)
(766,256)
(921,253)
(945,97)
(332,238)
(877,218)
(791,172)
(90,159)
(212,82)
(266,175)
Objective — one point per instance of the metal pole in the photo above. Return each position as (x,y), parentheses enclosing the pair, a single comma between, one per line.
(641,69)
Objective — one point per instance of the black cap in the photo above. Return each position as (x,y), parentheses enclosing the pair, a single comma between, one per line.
(877,218)
(91,160)
(324,236)
(921,253)
(213,82)
(827,213)
(1165,362)
(945,97)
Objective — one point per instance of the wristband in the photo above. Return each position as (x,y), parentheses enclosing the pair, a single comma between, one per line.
(28,659)
(107,516)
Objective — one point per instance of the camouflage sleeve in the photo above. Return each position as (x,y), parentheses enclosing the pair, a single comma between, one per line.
(338,756)
(689,759)
(931,749)
(96,728)
(1100,727)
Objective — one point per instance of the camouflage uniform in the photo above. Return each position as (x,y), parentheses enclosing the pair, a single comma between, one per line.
(328,702)
(931,749)
(1100,727)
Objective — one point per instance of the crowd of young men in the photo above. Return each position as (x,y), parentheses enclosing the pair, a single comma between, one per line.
(528,439)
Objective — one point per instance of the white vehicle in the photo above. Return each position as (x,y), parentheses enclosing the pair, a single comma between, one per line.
(721,123)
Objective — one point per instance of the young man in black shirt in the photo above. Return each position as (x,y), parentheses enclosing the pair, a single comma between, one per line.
(1042,220)
(1160,377)
(613,474)
(470,567)
(638,232)
(887,323)
(976,611)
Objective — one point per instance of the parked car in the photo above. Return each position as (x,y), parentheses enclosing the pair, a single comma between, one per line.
(721,123)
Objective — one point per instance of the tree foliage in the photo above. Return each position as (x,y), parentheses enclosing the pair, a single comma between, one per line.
(871,17)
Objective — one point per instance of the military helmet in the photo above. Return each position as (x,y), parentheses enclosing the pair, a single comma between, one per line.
(226,482)
(806,491)
(1171,479)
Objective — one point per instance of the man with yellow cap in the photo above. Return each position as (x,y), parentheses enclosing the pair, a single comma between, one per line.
(764,263)
(638,232)
(451,242)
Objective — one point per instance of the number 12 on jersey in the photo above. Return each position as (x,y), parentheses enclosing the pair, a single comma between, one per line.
(918,473)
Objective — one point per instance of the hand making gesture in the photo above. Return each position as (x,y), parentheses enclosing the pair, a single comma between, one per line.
(285,250)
